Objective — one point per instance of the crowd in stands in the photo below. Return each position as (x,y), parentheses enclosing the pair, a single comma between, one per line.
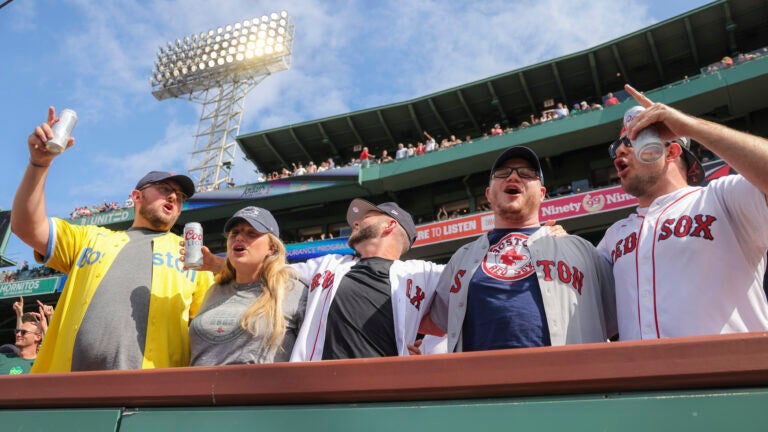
(728,62)
(25,273)
(95,209)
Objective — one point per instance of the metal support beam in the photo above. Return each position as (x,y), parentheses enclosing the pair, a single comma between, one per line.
(274,150)
(327,140)
(354,130)
(730,28)
(439,117)
(620,64)
(466,108)
(524,84)
(595,76)
(298,143)
(495,101)
(692,42)
(386,128)
(656,59)
(559,82)
(415,120)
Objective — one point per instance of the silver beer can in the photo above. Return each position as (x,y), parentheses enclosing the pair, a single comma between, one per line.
(647,144)
(62,131)
(193,245)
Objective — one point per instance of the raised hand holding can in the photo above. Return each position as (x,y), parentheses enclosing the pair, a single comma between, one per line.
(62,131)
(647,144)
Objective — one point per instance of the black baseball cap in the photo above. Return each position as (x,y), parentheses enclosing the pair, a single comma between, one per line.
(695,170)
(519,152)
(187,186)
(260,219)
(359,207)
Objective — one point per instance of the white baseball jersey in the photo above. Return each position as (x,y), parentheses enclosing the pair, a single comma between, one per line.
(692,263)
(413,284)
(575,282)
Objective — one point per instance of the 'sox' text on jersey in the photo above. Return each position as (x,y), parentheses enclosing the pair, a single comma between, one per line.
(698,226)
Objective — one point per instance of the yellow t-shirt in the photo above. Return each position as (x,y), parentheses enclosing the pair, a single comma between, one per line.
(85,253)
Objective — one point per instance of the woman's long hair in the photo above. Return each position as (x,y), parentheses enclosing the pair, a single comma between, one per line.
(276,274)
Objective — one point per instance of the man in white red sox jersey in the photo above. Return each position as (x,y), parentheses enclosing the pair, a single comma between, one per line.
(691,260)
(518,286)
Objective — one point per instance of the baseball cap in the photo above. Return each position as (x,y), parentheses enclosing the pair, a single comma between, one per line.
(157,176)
(260,219)
(359,207)
(695,172)
(519,152)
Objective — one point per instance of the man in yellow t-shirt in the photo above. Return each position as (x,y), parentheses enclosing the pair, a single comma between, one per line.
(128,300)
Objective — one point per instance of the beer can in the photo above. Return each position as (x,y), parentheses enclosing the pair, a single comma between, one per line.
(62,131)
(193,245)
(647,144)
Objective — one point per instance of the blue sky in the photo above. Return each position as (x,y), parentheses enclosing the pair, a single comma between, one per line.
(96,57)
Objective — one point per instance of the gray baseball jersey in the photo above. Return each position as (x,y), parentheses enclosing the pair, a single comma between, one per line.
(576,288)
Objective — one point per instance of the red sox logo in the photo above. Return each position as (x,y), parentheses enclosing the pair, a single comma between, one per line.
(414,294)
(509,260)
(327,281)
(685,226)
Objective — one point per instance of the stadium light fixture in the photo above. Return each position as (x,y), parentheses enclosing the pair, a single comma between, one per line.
(217,69)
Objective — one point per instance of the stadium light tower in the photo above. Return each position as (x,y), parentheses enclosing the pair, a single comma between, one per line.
(217,69)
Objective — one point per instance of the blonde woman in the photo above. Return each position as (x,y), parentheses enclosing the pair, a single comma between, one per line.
(253,312)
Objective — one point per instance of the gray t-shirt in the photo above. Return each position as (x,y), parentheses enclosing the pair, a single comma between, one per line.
(113,332)
(217,338)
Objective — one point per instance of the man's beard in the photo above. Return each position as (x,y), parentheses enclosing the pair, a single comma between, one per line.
(367,231)
(157,220)
(640,185)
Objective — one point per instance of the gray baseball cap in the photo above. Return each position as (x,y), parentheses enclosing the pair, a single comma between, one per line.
(260,219)
(359,207)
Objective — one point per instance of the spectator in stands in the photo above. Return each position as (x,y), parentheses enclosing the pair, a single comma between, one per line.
(496,130)
(28,338)
(560,111)
(442,214)
(719,225)
(576,109)
(594,106)
(518,296)
(431,144)
(726,62)
(365,158)
(123,286)
(411,151)
(299,170)
(401,152)
(385,157)
(584,107)
(331,163)
(455,141)
(368,306)
(253,312)
(468,139)
(420,149)
(611,100)
(231,183)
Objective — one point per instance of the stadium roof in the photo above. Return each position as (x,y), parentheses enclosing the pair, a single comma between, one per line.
(649,58)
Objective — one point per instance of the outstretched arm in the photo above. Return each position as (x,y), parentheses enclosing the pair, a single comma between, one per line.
(28,219)
(747,154)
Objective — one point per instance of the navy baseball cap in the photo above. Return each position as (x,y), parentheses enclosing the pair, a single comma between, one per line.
(187,186)
(519,152)
(359,207)
(695,170)
(260,219)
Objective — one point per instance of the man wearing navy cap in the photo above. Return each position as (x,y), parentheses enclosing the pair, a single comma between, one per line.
(518,286)
(127,301)
(371,305)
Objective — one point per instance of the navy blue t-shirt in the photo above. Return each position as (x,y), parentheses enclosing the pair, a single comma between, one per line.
(504,305)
